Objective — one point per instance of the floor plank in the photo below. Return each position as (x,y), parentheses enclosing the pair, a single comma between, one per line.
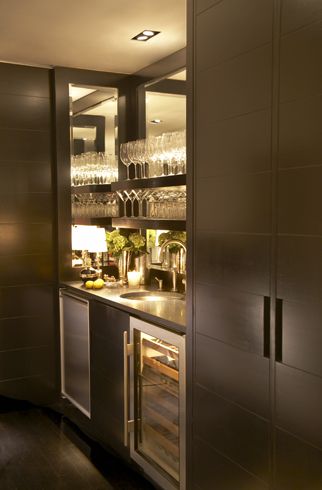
(38,453)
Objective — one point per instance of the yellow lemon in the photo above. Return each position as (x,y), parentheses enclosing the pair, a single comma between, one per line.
(98,284)
(89,284)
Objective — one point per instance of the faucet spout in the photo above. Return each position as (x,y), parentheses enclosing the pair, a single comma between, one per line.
(171,241)
(174,269)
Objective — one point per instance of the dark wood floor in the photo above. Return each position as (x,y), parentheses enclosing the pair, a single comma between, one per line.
(38,452)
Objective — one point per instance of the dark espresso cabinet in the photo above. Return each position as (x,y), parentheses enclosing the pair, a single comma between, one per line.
(257,343)
(100,366)
(107,375)
(298,371)
(232,248)
(28,292)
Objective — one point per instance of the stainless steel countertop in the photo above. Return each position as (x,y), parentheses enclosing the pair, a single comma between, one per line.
(170,313)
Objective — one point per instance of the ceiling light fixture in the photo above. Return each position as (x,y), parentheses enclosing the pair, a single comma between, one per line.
(149,33)
(145,35)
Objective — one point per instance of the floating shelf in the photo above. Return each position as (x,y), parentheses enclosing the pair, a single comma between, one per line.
(154,224)
(167,181)
(85,189)
(92,221)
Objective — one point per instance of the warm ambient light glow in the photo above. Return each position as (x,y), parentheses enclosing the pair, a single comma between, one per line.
(145,35)
(90,238)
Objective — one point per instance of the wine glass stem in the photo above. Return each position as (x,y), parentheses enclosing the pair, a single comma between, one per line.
(128,173)
(124,204)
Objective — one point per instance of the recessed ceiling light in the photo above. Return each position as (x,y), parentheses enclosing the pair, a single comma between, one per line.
(156,121)
(149,33)
(145,35)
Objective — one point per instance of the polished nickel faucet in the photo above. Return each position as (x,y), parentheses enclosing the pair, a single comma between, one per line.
(173,268)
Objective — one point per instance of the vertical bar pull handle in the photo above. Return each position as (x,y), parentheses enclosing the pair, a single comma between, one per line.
(279,330)
(125,388)
(127,351)
(267,326)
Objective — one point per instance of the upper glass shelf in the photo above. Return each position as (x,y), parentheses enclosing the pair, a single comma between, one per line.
(166,181)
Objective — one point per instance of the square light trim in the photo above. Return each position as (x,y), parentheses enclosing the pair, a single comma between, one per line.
(145,35)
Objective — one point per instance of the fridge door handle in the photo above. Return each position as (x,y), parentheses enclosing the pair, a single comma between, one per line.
(127,351)
(64,294)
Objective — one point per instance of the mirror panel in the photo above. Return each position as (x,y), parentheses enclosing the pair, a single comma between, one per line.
(93,120)
(165,104)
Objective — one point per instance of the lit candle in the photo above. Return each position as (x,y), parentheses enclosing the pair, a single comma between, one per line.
(133,278)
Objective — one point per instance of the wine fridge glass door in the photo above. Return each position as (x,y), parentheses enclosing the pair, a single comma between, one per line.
(158,402)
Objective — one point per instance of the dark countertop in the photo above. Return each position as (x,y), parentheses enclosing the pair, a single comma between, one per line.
(170,314)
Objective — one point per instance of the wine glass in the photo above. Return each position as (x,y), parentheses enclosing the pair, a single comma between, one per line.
(132,196)
(124,199)
(140,155)
(124,156)
(150,157)
(132,152)
(159,157)
(140,195)
(166,147)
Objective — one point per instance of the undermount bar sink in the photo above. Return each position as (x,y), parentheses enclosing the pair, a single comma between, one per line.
(152,296)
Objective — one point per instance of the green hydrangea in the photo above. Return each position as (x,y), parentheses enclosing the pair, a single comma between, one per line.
(116,243)
(136,243)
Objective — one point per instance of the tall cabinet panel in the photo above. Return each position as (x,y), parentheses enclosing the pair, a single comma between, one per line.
(257,390)
(231,408)
(28,301)
(299,250)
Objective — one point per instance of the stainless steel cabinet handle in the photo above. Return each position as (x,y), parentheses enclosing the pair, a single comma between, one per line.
(127,351)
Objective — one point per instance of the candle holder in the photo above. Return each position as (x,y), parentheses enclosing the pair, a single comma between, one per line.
(134,278)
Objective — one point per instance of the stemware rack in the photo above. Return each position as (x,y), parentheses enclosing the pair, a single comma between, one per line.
(127,222)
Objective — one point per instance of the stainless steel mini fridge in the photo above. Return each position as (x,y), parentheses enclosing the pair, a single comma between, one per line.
(157,402)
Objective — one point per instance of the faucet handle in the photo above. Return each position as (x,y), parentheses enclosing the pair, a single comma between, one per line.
(160,283)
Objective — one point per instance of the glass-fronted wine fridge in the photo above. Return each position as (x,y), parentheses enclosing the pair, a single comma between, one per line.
(157,402)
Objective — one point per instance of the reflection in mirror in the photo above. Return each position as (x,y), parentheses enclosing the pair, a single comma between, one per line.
(166,105)
(93,131)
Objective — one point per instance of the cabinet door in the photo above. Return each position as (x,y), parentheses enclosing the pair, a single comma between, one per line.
(299,363)
(107,374)
(75,360)
(299,266)
(232,246)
